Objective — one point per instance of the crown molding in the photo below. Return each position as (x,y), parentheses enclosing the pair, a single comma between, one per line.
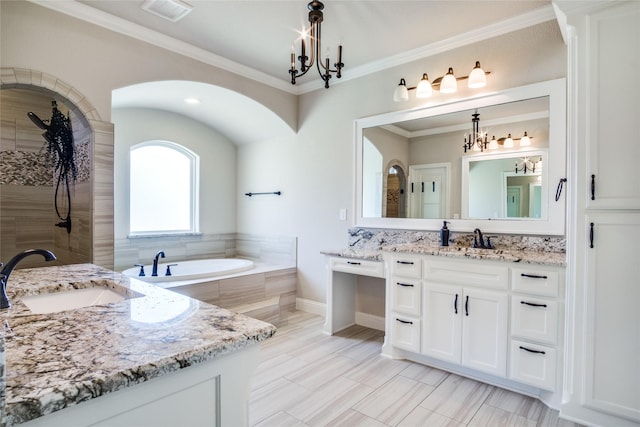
(128,28)
(105,20)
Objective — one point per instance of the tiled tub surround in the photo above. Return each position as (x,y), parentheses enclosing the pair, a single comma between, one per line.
(267,292)
(366,243)
(57,360)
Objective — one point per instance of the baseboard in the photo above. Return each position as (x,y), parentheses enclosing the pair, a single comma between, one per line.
(313,307)
(320,309)
(370,321)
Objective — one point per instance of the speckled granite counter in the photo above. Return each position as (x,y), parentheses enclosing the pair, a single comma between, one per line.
(59,359)
(521,256)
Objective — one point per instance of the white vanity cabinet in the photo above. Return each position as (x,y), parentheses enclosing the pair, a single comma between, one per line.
(499,321)
(405,289)
(535,322)
(466,324)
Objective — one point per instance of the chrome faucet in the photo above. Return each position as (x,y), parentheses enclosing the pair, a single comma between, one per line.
(154,271)
(6,271)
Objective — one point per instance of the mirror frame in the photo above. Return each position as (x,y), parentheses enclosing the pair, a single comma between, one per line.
(554,224)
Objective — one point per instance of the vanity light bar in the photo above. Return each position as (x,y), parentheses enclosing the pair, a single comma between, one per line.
(446,84)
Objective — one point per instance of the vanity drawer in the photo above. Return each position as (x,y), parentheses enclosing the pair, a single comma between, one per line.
(535,281)
(534,318)
(533,364)
(406,266)
(358,266)
(406,296)
(467,273)
(405,332)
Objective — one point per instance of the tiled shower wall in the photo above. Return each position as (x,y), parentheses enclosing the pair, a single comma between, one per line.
(27,184)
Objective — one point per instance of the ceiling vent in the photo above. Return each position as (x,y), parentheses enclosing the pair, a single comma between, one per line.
(172,10)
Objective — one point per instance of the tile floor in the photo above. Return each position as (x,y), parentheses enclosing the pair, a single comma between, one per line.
(307,378)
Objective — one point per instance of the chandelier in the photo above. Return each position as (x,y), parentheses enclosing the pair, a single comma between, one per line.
(315,41)
(478,140)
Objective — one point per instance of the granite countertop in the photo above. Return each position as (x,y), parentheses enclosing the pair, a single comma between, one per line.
(520,256)
(59,359)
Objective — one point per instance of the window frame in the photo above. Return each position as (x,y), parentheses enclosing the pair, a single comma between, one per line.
(194,162)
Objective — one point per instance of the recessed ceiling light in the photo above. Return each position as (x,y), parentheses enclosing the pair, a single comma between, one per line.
(192,100)
(172,10)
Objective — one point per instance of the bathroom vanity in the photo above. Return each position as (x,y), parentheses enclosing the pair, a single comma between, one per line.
(152,357)
(493,315)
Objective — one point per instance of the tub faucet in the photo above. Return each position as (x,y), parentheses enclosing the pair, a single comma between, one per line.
(6,271)
(154,271)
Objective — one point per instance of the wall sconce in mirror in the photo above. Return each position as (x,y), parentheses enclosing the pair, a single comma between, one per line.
(448,83)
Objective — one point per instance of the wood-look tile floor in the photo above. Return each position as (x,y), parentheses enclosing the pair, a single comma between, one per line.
(307,378)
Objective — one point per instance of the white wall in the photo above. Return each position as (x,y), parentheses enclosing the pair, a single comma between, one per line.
(218,190)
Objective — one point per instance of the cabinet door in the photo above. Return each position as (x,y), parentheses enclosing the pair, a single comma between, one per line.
(612,275)
(484,331)
(442,322)
(614,54)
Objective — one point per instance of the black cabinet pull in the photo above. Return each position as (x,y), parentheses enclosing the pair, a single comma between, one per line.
(412,187)
(593,187)
(404,321)
(532,351)
(422,186)
(532,304)
(455,305)
(405,262)
(353,263)
(466,306)
(409,285)
(559,188)
(533,276)
(591,235)
(433,186)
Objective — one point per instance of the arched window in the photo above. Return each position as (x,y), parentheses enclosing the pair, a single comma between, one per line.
(163,189)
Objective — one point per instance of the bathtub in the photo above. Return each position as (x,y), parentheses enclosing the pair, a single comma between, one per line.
(191,270)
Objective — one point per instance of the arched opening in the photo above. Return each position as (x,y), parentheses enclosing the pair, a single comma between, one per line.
(27,189)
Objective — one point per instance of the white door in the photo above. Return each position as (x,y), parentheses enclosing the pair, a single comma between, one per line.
(428,193)
(484,331)
(443,308)
(513,201)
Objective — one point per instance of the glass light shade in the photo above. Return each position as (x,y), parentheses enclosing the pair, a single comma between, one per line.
(424,89)
(449,83)
(477,146)
(493,144)
(477,77)
(401,93)
(508,143)
(525,141)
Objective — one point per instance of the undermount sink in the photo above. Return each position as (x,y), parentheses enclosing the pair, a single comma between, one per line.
(69,300)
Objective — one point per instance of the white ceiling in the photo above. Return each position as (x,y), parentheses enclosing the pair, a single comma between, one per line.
(254,38)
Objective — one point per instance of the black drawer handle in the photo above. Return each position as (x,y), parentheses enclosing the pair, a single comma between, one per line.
(532,351)
(593,187)
(405,262)
(409,285)
(533,276)
(455,305)
(466,306)
(533,304)
(353,263)
(404,321)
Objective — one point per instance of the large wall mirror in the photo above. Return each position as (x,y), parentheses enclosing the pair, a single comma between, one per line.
(413,169)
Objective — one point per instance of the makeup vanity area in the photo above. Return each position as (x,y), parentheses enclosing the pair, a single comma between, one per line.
(494,314)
